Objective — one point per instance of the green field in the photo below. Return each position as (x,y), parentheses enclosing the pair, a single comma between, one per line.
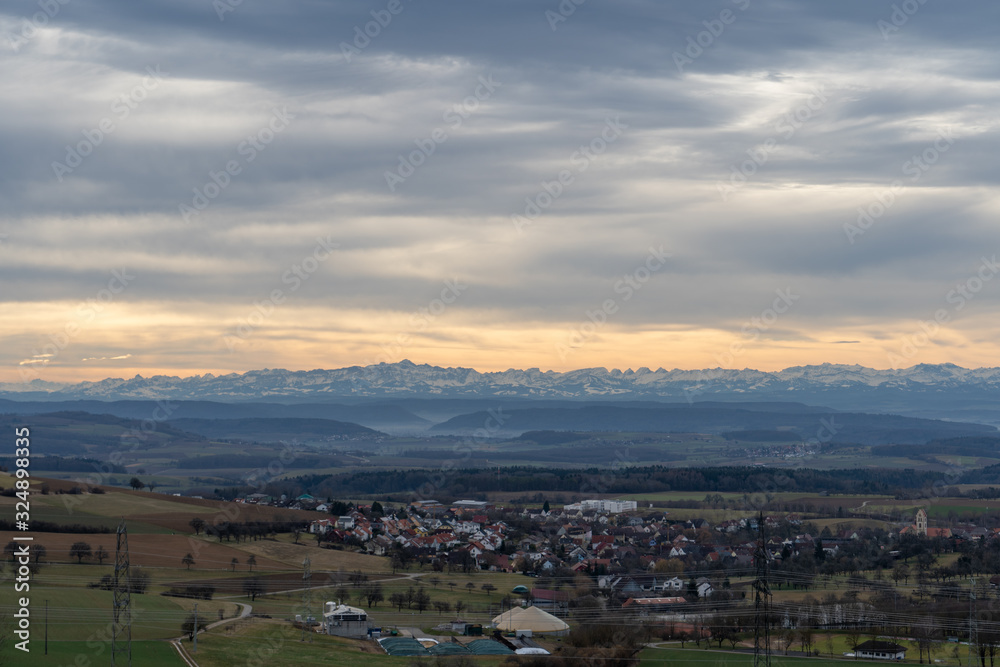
(701,658)
(62,654)
(269,643)
(480,606)
(67,509)
(84,614)
(942,510)
(668,496)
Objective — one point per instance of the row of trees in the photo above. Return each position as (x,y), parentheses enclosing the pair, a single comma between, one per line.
(646,479)
(138,581)
(245,530)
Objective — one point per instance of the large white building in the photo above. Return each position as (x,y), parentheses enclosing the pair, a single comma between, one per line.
(606,506)
(344,621)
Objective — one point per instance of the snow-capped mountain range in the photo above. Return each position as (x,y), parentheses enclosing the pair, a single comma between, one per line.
(406,379)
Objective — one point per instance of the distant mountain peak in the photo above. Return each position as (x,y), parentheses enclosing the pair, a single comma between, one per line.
(406,378)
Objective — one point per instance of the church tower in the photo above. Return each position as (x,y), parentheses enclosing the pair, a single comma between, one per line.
(921,522)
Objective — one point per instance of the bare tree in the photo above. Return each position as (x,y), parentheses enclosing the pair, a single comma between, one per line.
(197,523)
(100,554)
(374,594)
(79,551)
(188,626)
(421,600)
(253,587)
(788,638)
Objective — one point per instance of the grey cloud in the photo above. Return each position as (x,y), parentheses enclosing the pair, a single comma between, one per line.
(326,172)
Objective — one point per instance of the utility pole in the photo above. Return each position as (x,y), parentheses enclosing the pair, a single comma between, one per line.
(973,626)
(306,597)
(194,640)
(46,627)
(762,602)
(121,624)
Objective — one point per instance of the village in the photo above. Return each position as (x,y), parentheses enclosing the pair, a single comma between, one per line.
(691,578)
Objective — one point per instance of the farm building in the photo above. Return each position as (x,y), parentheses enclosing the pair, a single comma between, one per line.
(880,650)
(343,621)
(530,620)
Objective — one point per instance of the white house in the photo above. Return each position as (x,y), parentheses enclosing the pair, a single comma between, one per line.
(880,650)
(320,527)
(674,584)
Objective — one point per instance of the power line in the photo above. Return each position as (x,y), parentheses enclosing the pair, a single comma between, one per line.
(121,624)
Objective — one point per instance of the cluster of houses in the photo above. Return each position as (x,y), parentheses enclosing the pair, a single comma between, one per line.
(429,528)
(303,502)
(608,540)
(605,539)
(586,536)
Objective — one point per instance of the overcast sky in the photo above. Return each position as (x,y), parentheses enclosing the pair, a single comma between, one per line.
(496,185)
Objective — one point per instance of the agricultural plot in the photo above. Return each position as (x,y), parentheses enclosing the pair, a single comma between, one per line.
(150,551)
(63,653)
(274,643)
(653,657)
(80,614)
